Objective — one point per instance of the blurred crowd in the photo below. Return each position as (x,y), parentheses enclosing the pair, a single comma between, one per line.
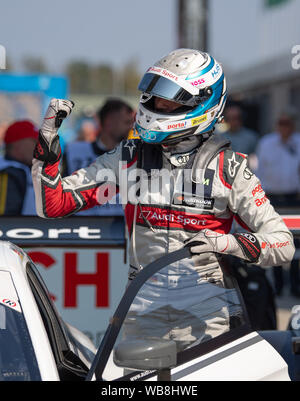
(95,134)
(273,157)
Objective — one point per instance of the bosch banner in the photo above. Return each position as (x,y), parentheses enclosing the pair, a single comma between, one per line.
(86,285)
(82,261)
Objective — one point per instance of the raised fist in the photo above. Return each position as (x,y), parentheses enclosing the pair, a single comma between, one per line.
(48,147)
(57,111)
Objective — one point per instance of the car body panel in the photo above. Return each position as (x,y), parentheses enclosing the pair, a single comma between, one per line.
(15,263)
(249,358)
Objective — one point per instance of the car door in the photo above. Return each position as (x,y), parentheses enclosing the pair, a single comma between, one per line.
(138,354)
(69,365)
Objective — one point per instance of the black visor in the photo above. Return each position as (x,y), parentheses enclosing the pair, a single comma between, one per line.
(159,86)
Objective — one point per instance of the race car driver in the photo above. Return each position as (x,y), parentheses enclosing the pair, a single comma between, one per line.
(183,96)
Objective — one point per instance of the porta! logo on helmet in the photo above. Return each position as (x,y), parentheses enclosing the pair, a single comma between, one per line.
(195,83)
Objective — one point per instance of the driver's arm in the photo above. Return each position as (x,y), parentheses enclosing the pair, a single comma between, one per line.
(56,196)
(248,201)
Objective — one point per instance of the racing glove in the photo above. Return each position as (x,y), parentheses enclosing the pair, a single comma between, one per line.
(242,245)
(48,147)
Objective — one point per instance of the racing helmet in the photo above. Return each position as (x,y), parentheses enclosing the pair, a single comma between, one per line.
(191,78)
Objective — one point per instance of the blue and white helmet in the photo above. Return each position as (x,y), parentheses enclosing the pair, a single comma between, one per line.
(191,78)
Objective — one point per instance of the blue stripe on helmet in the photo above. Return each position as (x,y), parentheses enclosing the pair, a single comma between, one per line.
(217,88)
(208,68)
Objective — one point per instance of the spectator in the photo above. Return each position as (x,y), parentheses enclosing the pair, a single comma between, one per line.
(242,139)
(16,190)
(87,129)
(116,120)
(278,156)
(3,128)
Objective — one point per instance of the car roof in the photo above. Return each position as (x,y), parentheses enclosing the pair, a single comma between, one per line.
(13,258)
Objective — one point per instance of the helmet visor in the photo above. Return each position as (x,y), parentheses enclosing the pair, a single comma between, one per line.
(159,86)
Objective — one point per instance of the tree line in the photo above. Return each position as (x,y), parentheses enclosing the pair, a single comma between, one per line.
(87,78)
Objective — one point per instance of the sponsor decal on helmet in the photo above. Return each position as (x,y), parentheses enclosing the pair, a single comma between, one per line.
(163,72)
(150,136)
(198,82)
(154,69)
(175,78)
(169,75)
(177,125)
(216,71)
(199,120)
(145,134)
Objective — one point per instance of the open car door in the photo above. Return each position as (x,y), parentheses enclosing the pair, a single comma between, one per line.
(165,330)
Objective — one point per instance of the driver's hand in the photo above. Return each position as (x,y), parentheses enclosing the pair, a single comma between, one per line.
(57,111)
(243,245)
(48,146)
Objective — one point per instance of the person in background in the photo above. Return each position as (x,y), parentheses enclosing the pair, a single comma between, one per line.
(16,189)
(87,129)
(278,155)
(242,139)
(3,128)
(115,118)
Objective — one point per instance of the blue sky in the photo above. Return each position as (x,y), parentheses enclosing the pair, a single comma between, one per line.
(242,32)
(112,31)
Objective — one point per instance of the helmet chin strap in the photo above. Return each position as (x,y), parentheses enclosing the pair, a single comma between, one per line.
(185,144)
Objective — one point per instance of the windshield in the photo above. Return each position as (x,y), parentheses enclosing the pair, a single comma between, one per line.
(17,357)
(173,313)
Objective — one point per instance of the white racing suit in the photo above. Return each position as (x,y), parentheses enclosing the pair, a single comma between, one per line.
(221,188)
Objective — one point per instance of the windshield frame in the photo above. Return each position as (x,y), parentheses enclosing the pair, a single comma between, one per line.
(115,325)
(23,335)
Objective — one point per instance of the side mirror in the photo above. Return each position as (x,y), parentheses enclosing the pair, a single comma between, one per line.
(150,354)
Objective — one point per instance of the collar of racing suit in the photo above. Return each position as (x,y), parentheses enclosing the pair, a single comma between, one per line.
(179,154)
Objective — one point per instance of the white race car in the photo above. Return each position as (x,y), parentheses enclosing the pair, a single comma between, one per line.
(35,343)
